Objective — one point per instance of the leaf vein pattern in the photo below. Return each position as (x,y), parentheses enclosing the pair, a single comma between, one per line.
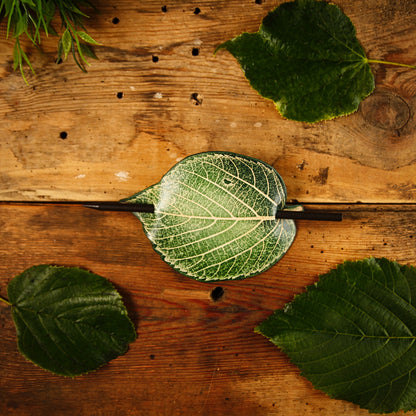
(208,237)
(362,337)
(153,229)
(381,306)
(34,334)
(354,306)
(239,254)
(57,343)
(210,199)
(392,292)
(193,202)
(239,178)
(333,355)
(81,302)
(242,236)
(381,368)
(399,398)
(184,233)
(45,293)
(278,239)
(334,82)
(233,196)
(385,396)
(326,306)
(352,363)
(323,26)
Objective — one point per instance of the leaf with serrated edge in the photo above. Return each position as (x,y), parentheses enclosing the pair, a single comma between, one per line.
(353,334)
(307,59)
(69,321)
(214,216)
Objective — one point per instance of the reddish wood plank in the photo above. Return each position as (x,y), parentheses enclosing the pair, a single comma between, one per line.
(193,355)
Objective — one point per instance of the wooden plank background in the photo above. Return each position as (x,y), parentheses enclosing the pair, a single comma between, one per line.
(158,94)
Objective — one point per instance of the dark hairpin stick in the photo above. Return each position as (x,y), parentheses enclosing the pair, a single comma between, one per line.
(309,215)
(313,215)
(289,214)
(99,205)
(120,206)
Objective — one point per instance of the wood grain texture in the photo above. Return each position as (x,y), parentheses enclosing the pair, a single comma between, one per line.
(156,95)
(186,103)
(193,355)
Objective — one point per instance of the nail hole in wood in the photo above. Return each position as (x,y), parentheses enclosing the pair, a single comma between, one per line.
(258,1)
(116,20)
(195,51)
(155,58)
(63,135)
(119,95)
(196,99)
(217,293)
(164,9)
(197,10)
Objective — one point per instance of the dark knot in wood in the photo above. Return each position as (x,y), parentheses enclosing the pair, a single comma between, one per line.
(386,110)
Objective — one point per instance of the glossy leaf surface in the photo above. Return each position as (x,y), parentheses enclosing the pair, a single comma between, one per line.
(215,216)
(69,321)
(307,59)
(353,334)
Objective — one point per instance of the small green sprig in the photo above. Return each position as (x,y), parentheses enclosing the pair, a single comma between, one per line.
(34,17)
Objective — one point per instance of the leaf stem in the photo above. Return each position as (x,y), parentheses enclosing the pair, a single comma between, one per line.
(376,61)
(2,299)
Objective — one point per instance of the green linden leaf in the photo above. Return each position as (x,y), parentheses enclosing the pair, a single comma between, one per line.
(69,321)
(353,334)
(307,59)
(214,216)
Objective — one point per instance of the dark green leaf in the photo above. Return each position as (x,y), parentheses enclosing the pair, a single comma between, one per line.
(20,27)
(29,3)
(353,334)
(45,13)
(59,57)
(69,321)
(17,57)
(48,10)
(51,30)
(87,51)
(307,59)
(215,216)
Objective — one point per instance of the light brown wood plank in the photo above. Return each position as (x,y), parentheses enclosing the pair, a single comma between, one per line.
(192,355)
(183,104)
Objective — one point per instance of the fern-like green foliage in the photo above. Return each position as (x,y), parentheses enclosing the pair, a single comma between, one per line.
(34,18)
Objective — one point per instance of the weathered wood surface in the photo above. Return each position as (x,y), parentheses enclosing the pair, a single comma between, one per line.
(193,355)
(183,104)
